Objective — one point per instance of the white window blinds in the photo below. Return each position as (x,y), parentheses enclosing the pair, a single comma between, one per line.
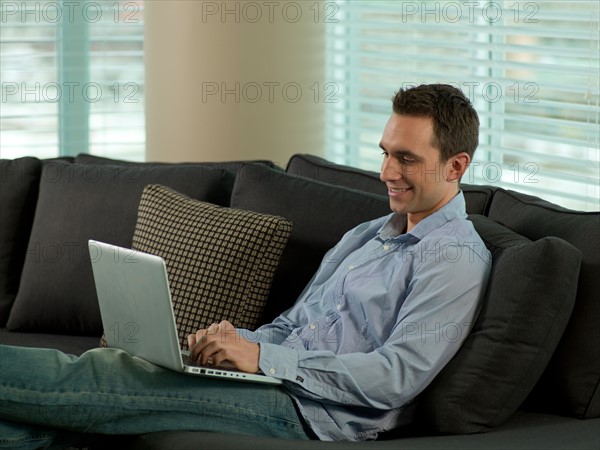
(72,78)
(530,68)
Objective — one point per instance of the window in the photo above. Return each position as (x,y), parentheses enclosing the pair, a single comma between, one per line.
(530,68)
(72,78)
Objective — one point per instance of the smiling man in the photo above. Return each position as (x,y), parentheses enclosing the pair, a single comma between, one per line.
(371,330)
(388,307)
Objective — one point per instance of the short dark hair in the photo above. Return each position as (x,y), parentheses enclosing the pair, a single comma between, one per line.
(455,121)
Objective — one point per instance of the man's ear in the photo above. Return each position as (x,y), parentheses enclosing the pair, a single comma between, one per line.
(457,166)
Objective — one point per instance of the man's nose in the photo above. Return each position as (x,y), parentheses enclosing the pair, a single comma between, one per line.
(388,171)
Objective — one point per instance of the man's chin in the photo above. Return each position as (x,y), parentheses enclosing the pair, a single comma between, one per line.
(399,208)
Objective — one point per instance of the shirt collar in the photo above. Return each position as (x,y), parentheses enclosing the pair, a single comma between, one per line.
(396,224)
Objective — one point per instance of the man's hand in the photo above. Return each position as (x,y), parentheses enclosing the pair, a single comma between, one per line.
(219,343)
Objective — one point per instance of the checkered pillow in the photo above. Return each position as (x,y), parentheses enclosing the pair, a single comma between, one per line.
(220,261)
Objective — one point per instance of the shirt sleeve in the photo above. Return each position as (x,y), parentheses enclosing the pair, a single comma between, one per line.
(441,303)
(273,333)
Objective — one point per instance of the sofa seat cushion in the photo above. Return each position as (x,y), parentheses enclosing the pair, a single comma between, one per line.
(78,202)
(67,343)
(220,261)
(321,213)
(526,308)
(522,431)
(571,383)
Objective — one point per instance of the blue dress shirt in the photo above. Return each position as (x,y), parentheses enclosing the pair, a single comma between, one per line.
(383,314)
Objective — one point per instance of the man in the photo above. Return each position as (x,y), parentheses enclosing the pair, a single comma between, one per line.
(367,335)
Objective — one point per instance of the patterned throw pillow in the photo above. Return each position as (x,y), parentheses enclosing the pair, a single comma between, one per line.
(220,261)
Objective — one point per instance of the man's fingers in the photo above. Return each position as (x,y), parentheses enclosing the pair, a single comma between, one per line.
(208,353)
(194,341)
(197,341)
(205,343)
(191,340)
(226,325)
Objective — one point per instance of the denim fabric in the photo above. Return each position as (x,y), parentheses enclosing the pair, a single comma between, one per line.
(109,391)
(18,436)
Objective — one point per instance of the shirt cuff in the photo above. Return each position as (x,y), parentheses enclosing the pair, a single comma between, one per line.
(251,336)
(278,361)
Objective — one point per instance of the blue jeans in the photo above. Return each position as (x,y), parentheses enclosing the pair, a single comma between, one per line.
(108,391)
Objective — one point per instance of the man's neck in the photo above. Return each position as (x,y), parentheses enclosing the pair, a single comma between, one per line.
(414,218)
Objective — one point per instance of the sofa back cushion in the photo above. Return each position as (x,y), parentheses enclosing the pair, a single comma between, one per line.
(320,213)
(571,383)
(528,303)
(316,168)
(233,166)
(477,198)
(19,183)
(221,197)
(78,202)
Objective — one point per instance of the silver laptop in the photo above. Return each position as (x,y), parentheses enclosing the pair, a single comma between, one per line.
(137,312)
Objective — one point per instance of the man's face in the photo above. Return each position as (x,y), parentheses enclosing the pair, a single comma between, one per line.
(418,182)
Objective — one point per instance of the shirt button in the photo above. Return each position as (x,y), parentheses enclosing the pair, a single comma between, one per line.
(339,307)
(350,267)
(272,371)
(386,247)
(312,326)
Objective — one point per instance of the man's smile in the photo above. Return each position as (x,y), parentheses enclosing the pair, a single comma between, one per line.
(397,192)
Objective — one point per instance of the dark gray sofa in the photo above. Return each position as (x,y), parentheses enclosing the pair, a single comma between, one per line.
(528,375)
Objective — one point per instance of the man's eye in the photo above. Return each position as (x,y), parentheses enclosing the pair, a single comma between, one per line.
(406,160)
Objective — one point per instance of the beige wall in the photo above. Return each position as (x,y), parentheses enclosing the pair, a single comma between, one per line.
(194,54)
